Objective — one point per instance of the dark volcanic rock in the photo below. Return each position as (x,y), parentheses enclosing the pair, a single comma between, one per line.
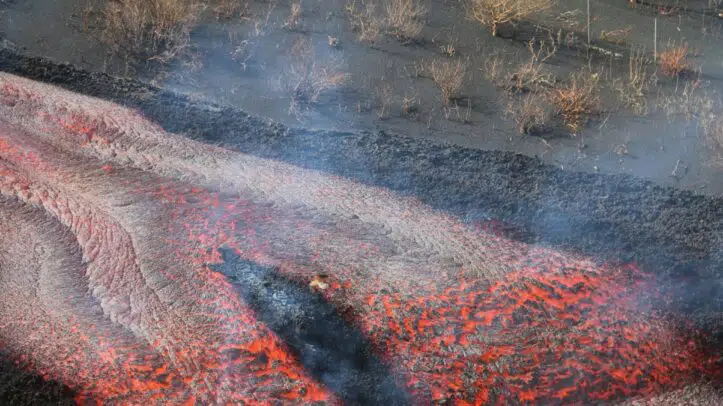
(329,348)
(20,388)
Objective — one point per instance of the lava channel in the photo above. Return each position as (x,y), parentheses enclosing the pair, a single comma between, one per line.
(141,267)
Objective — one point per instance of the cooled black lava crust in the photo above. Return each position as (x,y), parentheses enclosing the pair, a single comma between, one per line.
(330,349)
(18,387)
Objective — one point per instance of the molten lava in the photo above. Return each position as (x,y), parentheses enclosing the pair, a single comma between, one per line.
(111,235)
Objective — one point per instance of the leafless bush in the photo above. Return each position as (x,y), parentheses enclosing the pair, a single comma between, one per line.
(404,19)
(492,13)
(410,104)
(292,21)
(143,30)
(633,88)
(493,67)
(228,9)
(530,112)
(674,60)
(687,102)
(364,20)
(89,14)
(448,50)
(449,75)
(531,76)
(385,99)
(307,77)
(578,101)
(243,52)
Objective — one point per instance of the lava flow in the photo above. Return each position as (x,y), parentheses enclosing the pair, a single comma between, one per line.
(141,267)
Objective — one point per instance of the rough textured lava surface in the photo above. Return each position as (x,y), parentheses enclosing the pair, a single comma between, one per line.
(139,266)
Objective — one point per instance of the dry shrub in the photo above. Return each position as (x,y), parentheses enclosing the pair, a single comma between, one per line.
(292,21)
(531,76)
(143,30)
(494,65)
(410,104)
(306,77)
(404,19)
(674,60)
(385,98)
(364,21)
(633,88)
(448,50)
(492,13)
(578,101)
(88,14)
(228,9)
(449,75)
(531,113)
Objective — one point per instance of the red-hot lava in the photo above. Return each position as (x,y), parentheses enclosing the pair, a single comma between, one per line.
(110,227)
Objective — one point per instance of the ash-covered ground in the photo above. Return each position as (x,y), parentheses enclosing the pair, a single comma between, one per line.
(18,387)
(241,61)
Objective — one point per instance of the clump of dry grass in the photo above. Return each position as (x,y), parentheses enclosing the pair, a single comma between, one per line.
(674,60)
(493,13)
(449,76)
(578,101)
(530,112)
(150,30)
(402,19)
(306,77)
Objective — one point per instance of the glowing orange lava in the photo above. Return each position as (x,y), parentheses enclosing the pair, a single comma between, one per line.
(145,319)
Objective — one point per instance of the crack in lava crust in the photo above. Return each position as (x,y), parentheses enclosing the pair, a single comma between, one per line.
(121,229)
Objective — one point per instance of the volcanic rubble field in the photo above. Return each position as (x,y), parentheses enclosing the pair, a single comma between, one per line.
(155,249)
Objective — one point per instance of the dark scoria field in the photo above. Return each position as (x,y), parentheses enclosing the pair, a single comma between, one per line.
(157,250)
